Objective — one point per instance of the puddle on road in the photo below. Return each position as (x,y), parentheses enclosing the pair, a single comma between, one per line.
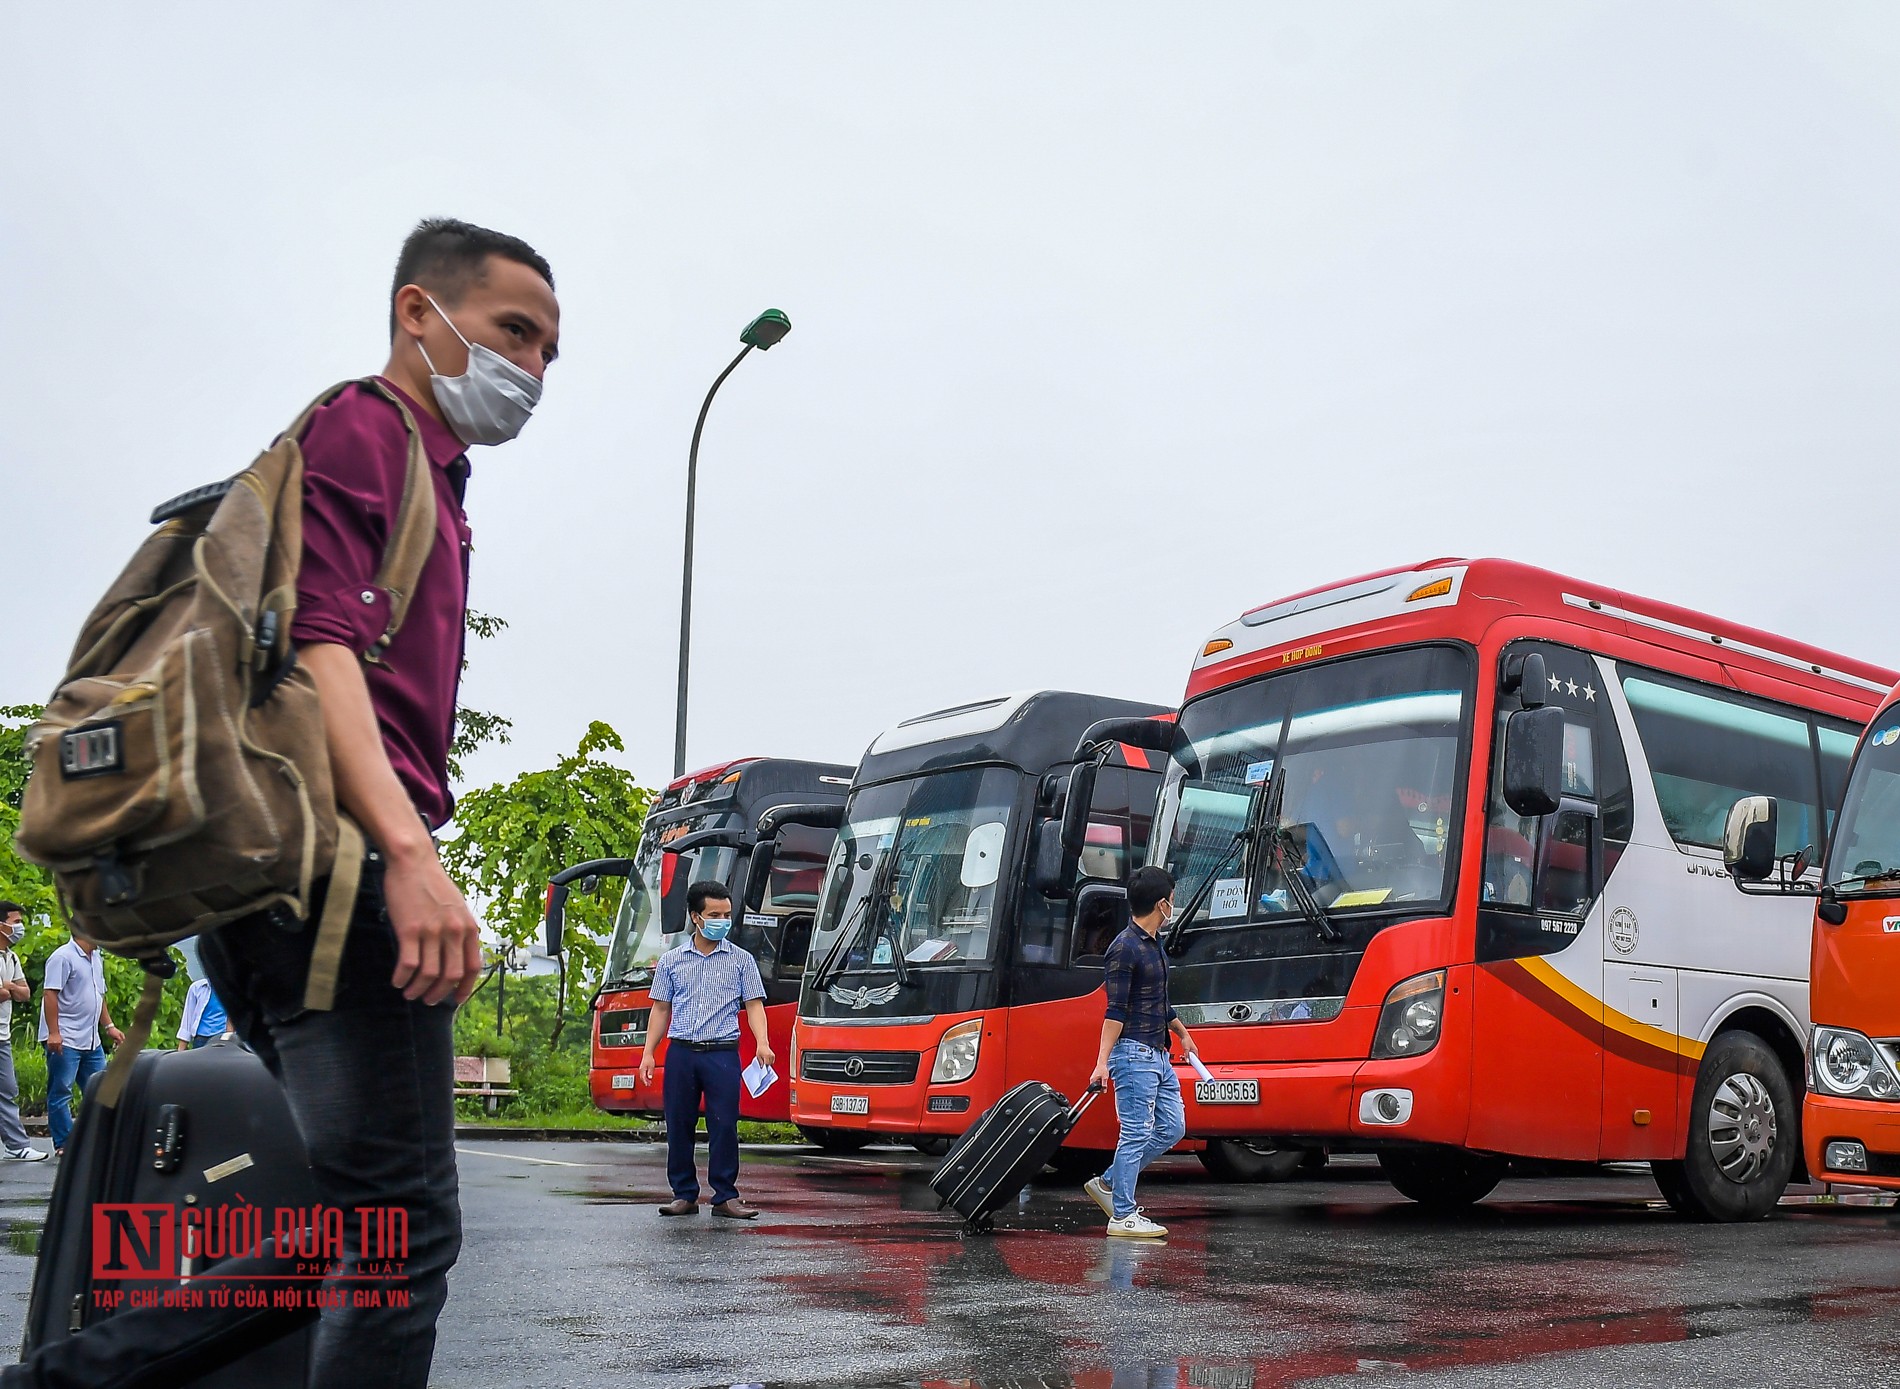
(23,1237)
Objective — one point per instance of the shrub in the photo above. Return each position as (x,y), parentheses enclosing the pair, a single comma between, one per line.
(29,1067)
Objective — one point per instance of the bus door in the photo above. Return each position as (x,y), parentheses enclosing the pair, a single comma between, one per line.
(1538,1059)
(1055,1016)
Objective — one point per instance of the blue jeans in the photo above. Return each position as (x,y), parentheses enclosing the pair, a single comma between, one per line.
(689,1075)
(1148,1106)
(371,1084)
(65,1068)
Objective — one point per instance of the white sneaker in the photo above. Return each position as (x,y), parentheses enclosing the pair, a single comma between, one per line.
(1097,1188)
(26,1154)
(1136,1226)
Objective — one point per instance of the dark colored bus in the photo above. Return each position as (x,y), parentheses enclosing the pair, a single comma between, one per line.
(958,946)
(708,825)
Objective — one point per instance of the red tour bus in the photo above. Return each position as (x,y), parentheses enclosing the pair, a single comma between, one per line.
(707,825)
(1851,1120)
(956,952)
(1449,845)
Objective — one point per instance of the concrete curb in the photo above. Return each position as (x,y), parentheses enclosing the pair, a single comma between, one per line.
(511,1133)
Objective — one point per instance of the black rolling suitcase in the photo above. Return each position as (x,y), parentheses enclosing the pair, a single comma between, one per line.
(209,1129)
(1009,1143)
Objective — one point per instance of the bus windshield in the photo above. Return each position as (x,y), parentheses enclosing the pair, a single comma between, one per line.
(652,915)
(1866,850)
(1345,773)
(931,847)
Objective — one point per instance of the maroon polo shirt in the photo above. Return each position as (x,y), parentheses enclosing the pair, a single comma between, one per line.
(355,458)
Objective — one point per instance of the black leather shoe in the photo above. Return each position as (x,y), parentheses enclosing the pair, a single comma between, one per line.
(680,1208)
(736,1209)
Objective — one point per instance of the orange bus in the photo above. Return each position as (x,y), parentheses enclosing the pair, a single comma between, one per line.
(951,958)
(707,825)
(1450,847)
(1851,1119)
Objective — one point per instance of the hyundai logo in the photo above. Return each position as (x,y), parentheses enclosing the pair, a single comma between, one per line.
(1240,1012)
(854,1067)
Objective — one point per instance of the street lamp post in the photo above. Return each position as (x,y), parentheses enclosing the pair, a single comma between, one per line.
(763,332)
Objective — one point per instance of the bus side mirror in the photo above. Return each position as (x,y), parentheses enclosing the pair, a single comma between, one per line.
(554,918)
(1534,760)
(1748,840)
(758,873)
(1525,676)
(1059,842)
(1075,809)
(1046,872)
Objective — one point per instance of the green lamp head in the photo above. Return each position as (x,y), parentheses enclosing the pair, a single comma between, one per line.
(766,330)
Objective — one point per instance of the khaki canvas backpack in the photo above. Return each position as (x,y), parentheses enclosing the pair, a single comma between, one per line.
(180,775)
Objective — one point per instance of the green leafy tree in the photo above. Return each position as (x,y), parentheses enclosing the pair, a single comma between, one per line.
(476,728)
(512,837)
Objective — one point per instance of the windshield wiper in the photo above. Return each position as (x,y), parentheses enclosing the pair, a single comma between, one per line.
(1265,823)
(1885,875)
(847,936)
(1294,876)
(1242,837)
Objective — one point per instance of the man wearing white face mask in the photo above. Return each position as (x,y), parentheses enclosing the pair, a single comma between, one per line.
(473,325)
(13,989)
(698,990)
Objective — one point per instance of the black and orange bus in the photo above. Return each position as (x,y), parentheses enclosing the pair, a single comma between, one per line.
(708,825)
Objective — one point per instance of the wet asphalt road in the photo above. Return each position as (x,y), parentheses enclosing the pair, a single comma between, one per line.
(569,1278)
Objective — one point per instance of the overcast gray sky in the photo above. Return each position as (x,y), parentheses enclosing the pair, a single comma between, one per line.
(1110,321)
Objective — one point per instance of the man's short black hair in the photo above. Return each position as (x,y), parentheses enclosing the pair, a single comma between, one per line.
(7,909)
(704,891)
(1147,888)
(446,255)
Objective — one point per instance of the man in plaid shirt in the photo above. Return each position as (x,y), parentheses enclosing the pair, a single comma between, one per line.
(1134,1054)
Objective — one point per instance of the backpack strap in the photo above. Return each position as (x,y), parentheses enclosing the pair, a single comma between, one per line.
(137,1033)
(412,530)
(333,929)
(412,535)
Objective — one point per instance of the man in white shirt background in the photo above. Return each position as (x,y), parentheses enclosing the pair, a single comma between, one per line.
(13,989)
(203,1021)
(72,1015)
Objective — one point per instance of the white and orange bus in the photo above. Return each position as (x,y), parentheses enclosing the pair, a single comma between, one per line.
(1851,1119)
(1448,842)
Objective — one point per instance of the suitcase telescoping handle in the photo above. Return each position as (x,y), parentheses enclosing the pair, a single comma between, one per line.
(1081,1106)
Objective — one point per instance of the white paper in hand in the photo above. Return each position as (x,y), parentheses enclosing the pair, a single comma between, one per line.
(758,1078)
(1194,1060)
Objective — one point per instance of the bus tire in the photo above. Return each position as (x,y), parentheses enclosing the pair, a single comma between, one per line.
(932,1144)
(835,1140)
(1674,1188)
(1744,1129)
(1236,1160)
(1441,1179)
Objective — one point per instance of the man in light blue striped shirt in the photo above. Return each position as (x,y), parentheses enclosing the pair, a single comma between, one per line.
(698,990)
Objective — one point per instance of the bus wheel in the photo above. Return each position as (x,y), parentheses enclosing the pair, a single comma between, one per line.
(932,1145)
(1674,1188)
(835,1140)
(1235,1160)
(1744,1127)
(1441,1179)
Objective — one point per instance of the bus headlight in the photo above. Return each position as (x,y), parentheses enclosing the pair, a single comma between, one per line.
(1409,1022)
(1851,1065)
(956,1054)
